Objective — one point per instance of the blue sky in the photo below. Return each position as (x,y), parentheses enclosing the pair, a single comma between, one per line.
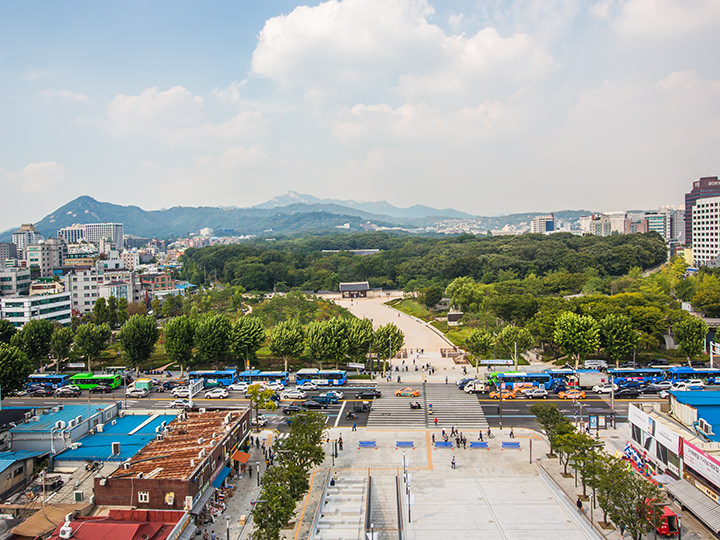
(487,106)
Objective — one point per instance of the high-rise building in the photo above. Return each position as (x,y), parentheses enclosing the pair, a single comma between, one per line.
(543,224)
(659,222)
(705,230)
(14,281)
(94,232)
(26,235)
(73,234)
(21,309)
(8,250)
(708,186)
(46,255)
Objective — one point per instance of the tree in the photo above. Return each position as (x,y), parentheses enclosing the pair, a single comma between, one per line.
(689,333)
(122,311)
(7,331)
(577,335)
(100,311)
(276,508)
(551,420)
(337,339)
(317,342)
(261,397)
(136,308)
(479,343)
(707,295)
(287,340)
(359,338)
(618,336)
(511,335)
(431,295)
(179,340)
(611,471)
(61,343)
(137,338)
(112,312)
(387,341)
(632,509)
(212,338)
(247,335)
(15,367)
(304,444)
(34,340)
(91,339)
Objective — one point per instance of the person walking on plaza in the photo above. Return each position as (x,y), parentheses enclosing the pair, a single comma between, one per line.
(579,505)
(512,433)
(480,436)
(436,421)
(340,442)
(446,379)
(452,464)
(354,428)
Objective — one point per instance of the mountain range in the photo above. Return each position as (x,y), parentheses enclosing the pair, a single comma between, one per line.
(292,213)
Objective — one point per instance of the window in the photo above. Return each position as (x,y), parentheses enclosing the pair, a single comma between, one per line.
(143,496)
(18,471)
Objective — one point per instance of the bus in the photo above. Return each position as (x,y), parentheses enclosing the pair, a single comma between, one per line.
(91,380)
(255,375)
(679,374)
(321,377)
(222,377)
(641,375)
(48,380)
(518,380)
(116,369)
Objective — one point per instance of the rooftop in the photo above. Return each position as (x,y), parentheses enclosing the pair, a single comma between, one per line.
(8,458)
(707,404)
(177,454)
(355,286)
(48,420)
(124,525)
(133,432)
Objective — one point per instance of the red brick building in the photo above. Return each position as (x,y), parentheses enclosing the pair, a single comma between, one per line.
(174,471)
(123,525)
(157,282)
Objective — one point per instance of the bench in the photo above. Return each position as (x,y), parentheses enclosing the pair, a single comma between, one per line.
(510,446)
(443,444)
(404,444)
(479,444)
(367,444)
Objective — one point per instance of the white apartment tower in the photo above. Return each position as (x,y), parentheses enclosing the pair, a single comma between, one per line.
(706,231)
(94,232)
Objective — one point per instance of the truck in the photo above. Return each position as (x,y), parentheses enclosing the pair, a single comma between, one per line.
(477,387)
(588,378)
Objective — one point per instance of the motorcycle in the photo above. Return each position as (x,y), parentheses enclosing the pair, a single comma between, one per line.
(350,415)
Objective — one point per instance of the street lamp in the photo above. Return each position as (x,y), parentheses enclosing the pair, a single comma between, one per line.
(227,528)
(257,464)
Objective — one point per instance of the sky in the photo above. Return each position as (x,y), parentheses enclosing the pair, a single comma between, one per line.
(490,107)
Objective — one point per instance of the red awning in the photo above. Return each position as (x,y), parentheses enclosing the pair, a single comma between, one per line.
(242,457)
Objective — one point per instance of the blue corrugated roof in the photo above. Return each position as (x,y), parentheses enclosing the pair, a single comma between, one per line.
(67,413)
(8,458)
(98,446)
(707,403)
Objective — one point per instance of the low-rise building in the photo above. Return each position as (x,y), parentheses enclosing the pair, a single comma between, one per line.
(17,469)
(14,281)
(125,525)
(46,286)
(46,255)
(157,282)
(21,309)
(358,289)
(8,250)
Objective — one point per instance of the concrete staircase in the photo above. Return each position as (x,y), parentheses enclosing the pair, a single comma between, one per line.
(343,513)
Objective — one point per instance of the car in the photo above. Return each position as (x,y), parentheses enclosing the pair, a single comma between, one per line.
(628,365)
(658,386)
(293,394)
(662,362)
(506,394)
(307,385)
(368,394)
(695,383)
(170,385)
(697,363)
(605,388)
(536,393)
(313,404)
(181,391)
(572,394)
(462,382)
(407,392)
(627,393)
(216,393)
(239,386)
(326,400)
(688,385)
(137,393)
(40,391)
(333,393)
(101,389)
(260,421)
(179,404)
(292,409)
(274,385)
(67,391)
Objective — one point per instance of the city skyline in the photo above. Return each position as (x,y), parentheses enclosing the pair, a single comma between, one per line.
(490,108)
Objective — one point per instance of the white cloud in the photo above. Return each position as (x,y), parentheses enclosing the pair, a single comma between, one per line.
(66,94)
(232,159)
(36,178)
(662,18)
(231,93)
(241,126)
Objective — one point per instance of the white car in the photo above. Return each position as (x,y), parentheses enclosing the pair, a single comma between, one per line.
(692,384)
(696,383)
(605,388)
(181,391)
(307,385)
(216,393)
(239,386)
(333,393)
(275,385)
(179,404)
(293,394)
(137,393)
(536,393)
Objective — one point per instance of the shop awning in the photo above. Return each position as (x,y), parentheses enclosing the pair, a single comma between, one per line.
(706,509)
(222,475)
(200,503)
(242,457)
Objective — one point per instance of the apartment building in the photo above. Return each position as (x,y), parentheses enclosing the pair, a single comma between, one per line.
(46,255)
(26,235)
(94,233)
(82,285)
(21,309)
(14,281)
(8,250)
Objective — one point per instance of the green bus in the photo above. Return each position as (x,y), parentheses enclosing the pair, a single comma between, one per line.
(90,380)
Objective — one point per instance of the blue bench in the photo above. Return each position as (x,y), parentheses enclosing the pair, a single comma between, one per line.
(443,444)
(510,446)
(367,444)
(404,444)
(479,444)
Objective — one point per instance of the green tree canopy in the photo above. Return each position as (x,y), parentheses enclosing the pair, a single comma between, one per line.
(212,338)
(387,341)
(261,397)
(689,333)
(137,338)
(511,335)
(112,312)
(247,335)
(15,367)
(7,331)
(287,340)
(61,343)
(91,339)
(101,313)
(34,340)
(431,295)
(618,336)
(179,340)
(577,335)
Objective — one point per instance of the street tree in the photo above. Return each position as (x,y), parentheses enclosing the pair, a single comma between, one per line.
(304,443)
(137,338)
(577,335)
(430,296)
(34,340)
(90,340)
(61,343)
(7,331)
(359,338)
(112,312)
(261,397)
(275,506)
(632,510)
(287,340)
(100,311)
(618,336)
(317,342)
(122,311)
(552,421)
(512,340)
(689,333)
(247,335)
(479,343)
(179,335)
(15,367)
(212,338)
(337,339)
(387,341)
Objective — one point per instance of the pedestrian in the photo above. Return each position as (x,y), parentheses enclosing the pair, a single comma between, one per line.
(436,421)
(212,535)
(251,440)
(257,442)
(452,464)
(250,471)
(579,505)
(480,438)
(512,433)
(433,438)
(205,535)
(340,442)
(430,407)
(446,379)
(464,443)
(354,428)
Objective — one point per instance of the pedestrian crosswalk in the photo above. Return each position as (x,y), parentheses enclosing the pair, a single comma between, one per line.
(451,407)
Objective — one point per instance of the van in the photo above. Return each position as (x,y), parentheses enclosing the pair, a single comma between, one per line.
(595,364)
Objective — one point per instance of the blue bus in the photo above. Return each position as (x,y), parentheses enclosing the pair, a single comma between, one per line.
(255,375)
(48,380)
(641,375)
(707,375)
(223,377)
(519,380)
(321,377)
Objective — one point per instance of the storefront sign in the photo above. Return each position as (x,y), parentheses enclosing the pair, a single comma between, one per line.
(702,463)
(667,437)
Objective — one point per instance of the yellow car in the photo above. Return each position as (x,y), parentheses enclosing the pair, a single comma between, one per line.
(506,394)
(407,392)
(572,394)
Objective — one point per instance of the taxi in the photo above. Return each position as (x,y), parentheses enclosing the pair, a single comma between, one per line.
(572,394)
(407,392)
(506,394)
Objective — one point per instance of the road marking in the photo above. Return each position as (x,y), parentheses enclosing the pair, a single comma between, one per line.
(307,497)
(339,415)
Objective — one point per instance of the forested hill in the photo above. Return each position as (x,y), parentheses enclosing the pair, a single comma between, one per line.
(414,262)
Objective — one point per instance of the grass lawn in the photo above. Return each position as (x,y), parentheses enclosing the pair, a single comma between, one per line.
(413,308)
